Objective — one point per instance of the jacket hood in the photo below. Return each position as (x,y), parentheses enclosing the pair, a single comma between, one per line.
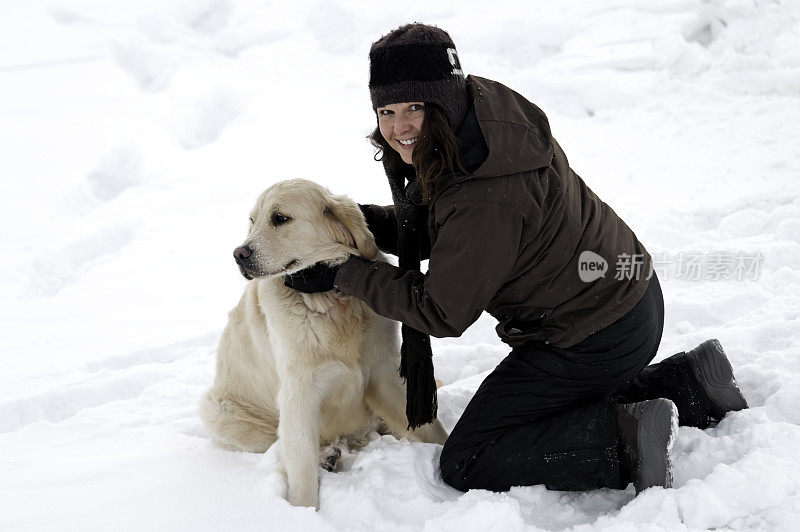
(516,131)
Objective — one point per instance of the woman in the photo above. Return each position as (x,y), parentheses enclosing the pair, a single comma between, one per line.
(482,189)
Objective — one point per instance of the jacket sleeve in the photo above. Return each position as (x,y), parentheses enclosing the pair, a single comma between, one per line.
(473,256)
(382,223)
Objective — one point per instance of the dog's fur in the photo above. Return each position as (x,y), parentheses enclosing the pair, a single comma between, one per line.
(305,368)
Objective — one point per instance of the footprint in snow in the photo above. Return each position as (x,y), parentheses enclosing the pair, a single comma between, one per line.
(60,267)
(119,170)
(210,16)
(151,66)
(206,119)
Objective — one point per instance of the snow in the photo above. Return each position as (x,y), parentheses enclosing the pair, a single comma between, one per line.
(137,135)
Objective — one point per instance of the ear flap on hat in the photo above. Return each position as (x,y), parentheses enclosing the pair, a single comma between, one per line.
(347,213)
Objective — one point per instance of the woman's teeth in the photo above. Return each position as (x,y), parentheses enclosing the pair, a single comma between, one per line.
(408,142)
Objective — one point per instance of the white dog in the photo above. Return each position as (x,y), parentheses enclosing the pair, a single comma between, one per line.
(305,368)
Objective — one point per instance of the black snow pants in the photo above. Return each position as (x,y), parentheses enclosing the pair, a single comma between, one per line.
(548,416)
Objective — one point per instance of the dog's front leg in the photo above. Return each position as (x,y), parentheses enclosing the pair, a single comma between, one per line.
(386,396)
(298,432)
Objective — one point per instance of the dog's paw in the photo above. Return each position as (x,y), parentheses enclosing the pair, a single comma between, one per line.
(329,458)
(307,500)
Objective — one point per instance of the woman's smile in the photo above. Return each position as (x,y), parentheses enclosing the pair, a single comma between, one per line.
(406,146)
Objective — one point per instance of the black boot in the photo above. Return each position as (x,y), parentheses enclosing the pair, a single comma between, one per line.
(700,382)
(714,373)
(647,431)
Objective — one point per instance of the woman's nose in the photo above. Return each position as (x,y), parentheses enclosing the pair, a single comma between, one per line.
(401,125)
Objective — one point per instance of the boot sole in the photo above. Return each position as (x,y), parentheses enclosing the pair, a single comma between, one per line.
(658,426)
(716,376)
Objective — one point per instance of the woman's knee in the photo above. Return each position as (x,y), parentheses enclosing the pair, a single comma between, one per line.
(452,467)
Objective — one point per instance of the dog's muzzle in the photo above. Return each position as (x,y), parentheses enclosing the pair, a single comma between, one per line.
(245,257)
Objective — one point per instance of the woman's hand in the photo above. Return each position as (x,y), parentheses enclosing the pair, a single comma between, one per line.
(382,223)
(314,279)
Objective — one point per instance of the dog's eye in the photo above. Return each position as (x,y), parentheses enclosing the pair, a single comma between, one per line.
(278,218)
(252,221)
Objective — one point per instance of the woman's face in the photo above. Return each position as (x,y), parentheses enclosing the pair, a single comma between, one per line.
(400,125)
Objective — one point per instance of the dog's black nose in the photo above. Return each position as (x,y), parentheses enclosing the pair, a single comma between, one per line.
(241,254)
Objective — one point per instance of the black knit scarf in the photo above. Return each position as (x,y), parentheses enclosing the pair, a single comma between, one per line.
(416,357)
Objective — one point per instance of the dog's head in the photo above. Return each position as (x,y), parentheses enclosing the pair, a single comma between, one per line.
(297,223)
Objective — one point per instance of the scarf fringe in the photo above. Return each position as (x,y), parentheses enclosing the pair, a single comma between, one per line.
(421,397)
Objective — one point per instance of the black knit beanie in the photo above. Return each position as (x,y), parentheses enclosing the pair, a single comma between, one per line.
(418,63)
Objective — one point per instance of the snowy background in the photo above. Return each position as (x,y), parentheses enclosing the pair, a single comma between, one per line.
(136,135)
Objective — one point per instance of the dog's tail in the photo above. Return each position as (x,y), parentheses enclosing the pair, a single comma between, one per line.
(238,425)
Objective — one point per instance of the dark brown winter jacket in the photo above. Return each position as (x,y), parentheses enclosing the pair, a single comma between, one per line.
(512,239)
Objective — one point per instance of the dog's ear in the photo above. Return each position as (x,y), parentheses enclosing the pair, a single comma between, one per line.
(347,213)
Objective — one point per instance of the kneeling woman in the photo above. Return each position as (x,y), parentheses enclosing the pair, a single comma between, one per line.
(482,189)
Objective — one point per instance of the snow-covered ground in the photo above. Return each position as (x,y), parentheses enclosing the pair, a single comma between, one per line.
(136,135)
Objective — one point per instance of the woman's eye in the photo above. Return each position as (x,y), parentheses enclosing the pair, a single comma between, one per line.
(278,219)
(417,107)
(384,112)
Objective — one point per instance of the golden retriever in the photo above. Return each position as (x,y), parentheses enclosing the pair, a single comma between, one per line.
(307,369)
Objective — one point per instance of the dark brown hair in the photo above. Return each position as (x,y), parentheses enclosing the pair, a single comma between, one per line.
(436,152)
